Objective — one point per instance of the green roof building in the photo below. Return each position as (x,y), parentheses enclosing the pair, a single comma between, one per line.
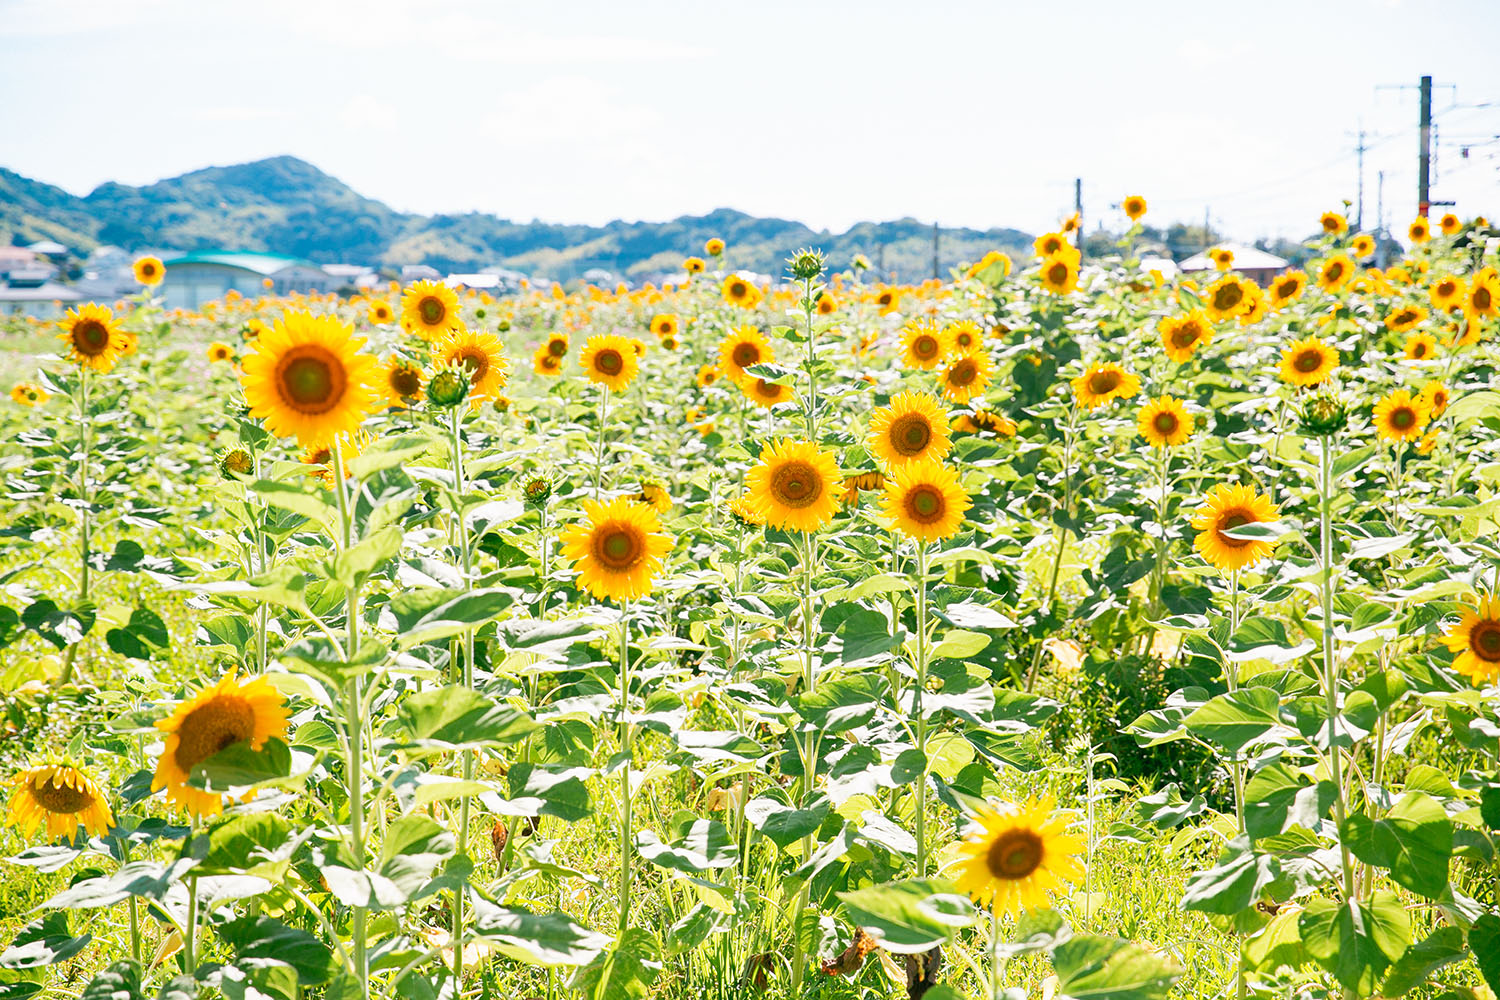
(201,276)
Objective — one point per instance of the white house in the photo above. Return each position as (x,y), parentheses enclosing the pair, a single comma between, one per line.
(1257,265)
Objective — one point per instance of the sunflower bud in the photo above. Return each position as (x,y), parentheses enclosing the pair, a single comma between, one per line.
(504,325)
(501,404)
(742,513)
(1324,415)
(447,388)
(806,265)
(236,462)
(537,491)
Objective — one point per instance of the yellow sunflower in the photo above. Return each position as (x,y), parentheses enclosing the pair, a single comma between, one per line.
(214,719)
(1399,417)
(60,796)
(1223,258)
(1483,299)
(795,486)
(1420,230)
(925,501)
(618,551)
(666,325)
(912,428)
(429,309)
(400,383)
(1476,640)
(219,351)
(611,361)
(1228,507)
(1134,206)
(308,379)
(380,312)
(739,291)
(714,247)
(1226,297)
(1015,855)
(545,363)
(707,376)
(693,265)
(1181,336)
(1333,223)
(1435,397)
(964,335)
(1362,246)
(29,394)
(480,353)
(888,300)
(1102,382)
(967,375)
(654,494)
(1405,318)
(556,345)
(1049,244)
(93,339)
(1446,293)
(827,305)
(926,344)
(148,271)
(1164,422)
(1420,345)
(1308,362)
(1059,273)
(1449,224)
(1336,272)
(1287,287)
(744,348)
(765,394)
(983,422)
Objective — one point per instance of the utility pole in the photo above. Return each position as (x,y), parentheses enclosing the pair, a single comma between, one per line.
(1205,228)
(1078,210)
(1424,162)
(1380,219)
(936,272)
(1359,215)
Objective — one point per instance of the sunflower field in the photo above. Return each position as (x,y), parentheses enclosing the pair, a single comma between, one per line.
(1055,630)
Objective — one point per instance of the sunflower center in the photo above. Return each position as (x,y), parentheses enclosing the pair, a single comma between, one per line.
(746,355)
(1015,854)
(1484,641)
(476,361)
(406,381)
(311,379)
(57,798)
(1404,316)
(1446,288)
(557,348)
(964,373)
(1287,288)
(1403,418)
(609,362)
(432,310)
(1231,520)
(1228,297)
(1419,350)
(796,485)
(1185,336)
(1104,382)
(1166,424)
(1308,361)
(884,299)
(737,289)
(1057,274)
(90,337)
(617,546)
(925,346)
(1335,271)
(925,505)
(910,434)
(1481,298)
(211,727)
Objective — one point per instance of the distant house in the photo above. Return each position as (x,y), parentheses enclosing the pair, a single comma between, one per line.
(1257,265)
(44,299)
(15,258)
(418,272)
(205,275)
(353,275)
(48,248)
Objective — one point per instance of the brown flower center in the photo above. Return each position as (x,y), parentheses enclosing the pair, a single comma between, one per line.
(1166,423)
(910,434)
(432,310)
(925,346)
(884,299)
(617,546)
(212,726)
(61,799)
(1484,641)
(1481,298)
(963,373)
(406,381)
(1103,383)
(796,484)
(310,379)
(1230,520)
(1404,317)
(1015,854)
(1403,418)
(1186,335)
(1308,361)
(609,362)
(474,359)
(1335,271)
(737,289)
(924,504)
(1419,350)
(557,347)
(1287,288)
(768,390)
(745,354)
(1057,274)
(90,337)
(1228,296)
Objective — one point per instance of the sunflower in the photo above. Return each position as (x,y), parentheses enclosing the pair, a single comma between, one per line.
(321,458)
(1476,640)
(888,299)
(926,344)
(219,351)
(28,394)
(666,325)
(1223,258)
(1164,422)
(912,428)
(1228,507)
(707,376)
(1059,273)
(1420,230)
(1449,224)
(1103,381)
(964,335)
(1181,336)
(1287,287)
(400,383)
(1226,297)
(545,363)
(795,487)
(743,512)
(480,353)
(429,309)
(214,719)
(740,292)
(1308,362)
(93,339)
(925,501)
(1336,272)
(670,343)
(1050,243)
(1333,223)
(714,247)
(62,797)
(1362,245)
(1446,292)
(1483,299)
(308,379)
(1405,318)
(148,271)
(1420,345)
(611,361)
(618,550)
(1134,206)
(744,348)
(827,305)
(967,376)
(984,422)
(1429,441)
(1016,854)
(1435,397)
(694,265)
(381,312)
(1399,417)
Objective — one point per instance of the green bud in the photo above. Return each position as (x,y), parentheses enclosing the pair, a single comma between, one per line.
(447,388)
(236,462)
(1324,415)
(537,491)
(806,264)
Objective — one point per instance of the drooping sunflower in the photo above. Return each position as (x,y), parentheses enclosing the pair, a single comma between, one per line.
(1336,272)
(795,486)
(1446,293)
(214,719)
(618,550)
(1059,273)
(1420,345)
(925,501)
(1362,246)
(666,324)
(29,394)
(149,271)
(308,379)
(1102,382)
(926,344)
(1015,855)
(429,309)
(380,312)
(743,348)
(610,360)
(1225,508)
(966,375)
(1307,362)
(1165,423)
(62,798)
(765,394)
(1226,297)
(1405,318)
(1483,299)
(480,353)
(545,363)
(1134,206)
(1223,258)
(1399,417)
(1420,230)
(1181,336)
(707,376)
(93,338)
(219,352)
(912,428)
(964,335)
(740,291)
(1435,397)
(400,383)
(1287,287)
(1476,640)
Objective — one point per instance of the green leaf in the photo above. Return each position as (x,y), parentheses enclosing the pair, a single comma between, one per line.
(1484,942)
(1355,942)
(62,627)
(353,566)
(1265,639)
(540,791)
(1414,841)
(119,981)
(866,633)
(841,704)
(457,716)
(1473,405)
(325,659)
(136,878)
(783,824)
(548,939)
(387,453)
(693,928)
(960,644)
(910,916)
(144,634)
(704,845)
(1278,797)
(242,842)
(1093,967)
(1351,460)
(263,943)
(625,972)
(237,768)
(449,616)
(45,941)
(295,497)
(1235,718)
(413,848)
(1442,947)
(1235,883)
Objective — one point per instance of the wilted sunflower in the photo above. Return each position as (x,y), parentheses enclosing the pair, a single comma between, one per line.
(1287,287)
(618,551)
(1336,272)
(1362,246)
(913,427)
(1016,854)
(1434,396)
(925,501)
(1102,382)
(380,312)
(93,339)
(707,376)
(666,324)
(1223,258)
(308,379)
(1420,346)
(214,719)
(400,383)
(1164,422)
(149,271)
(28,394)
(1446,292)
(1059,273)
(1399,417)
(1420,230)
(1333,223)
(545,363)
(1134,206)
(1307,362)
(926,344)
(219,351)
(60,796)
(1181,336)
(1449,224)
(1228,507)
(743,348)
(611,361)
(765,394)
(740,292)
(429,309)
(1405,318)
(1226,297)
(1483,300)
(1476,640)
(967,375)
(795,486)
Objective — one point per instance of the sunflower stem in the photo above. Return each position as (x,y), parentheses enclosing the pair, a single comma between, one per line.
(1062,541)
(809,753)
(1330,670)
(917,709)
(84,503)
(456,937)
(627,840)
(599,453)
(995,988)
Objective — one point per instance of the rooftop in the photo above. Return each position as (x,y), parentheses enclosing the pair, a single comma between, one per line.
(249,260)
(1245,259)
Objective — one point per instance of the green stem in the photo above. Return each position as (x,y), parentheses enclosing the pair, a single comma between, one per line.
(917,709)
(1062,540)
(627,841)
(354,728)
(456,937)
(599,453)
(1330,668)
(809,752)
(85,501)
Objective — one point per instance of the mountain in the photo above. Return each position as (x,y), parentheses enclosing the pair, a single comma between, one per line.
(287,205)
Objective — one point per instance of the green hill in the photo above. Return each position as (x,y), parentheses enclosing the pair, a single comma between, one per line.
(287,205)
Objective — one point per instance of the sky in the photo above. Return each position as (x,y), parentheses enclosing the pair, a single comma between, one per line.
(973,114)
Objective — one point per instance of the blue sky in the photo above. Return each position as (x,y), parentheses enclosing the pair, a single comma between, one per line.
(976,114)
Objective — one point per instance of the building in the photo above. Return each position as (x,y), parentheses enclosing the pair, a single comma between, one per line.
(353,276)
(39,297)
(205,275)
(15,259)
(1257,265)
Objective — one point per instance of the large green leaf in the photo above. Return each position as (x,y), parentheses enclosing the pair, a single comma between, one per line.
(263,943)
(624,972)
(1442,947)
(1235,883)
(1235,718)
(428,616)
(1355,942)
(1414,841)
(545,939)
(1278,797)
(457,716)
(1092,967)
(910,916)
(1484,942)
(45,941)
(842,703)
(784,824)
